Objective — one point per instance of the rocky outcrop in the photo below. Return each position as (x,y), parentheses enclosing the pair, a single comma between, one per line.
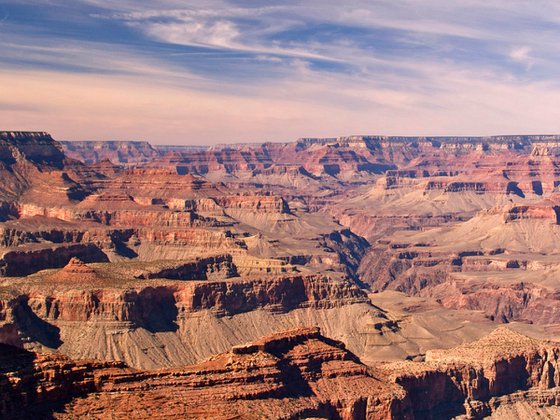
(223,297)
(215,267)
(539,212)
(76,268)
(31,385)
(30,158)
(21,262)
(469,380)
(294,374)
(36,147)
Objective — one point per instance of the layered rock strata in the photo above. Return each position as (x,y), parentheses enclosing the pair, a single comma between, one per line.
(294,374)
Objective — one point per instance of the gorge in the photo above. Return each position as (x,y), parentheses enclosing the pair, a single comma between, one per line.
(353,277)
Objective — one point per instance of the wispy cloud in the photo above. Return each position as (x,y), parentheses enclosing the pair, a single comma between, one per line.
(523,55)
(278,70)
(226,28)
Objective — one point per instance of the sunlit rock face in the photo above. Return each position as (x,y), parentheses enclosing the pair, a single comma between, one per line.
(298,373)
(122,255)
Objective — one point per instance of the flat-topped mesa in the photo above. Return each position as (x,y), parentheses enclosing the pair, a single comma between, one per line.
(202,268)
(37,147)
(436,141)
(403,149)
(237,146)
(171,148)
(24,136)
(117,152)
(255,203)
(520,139)
(309,141)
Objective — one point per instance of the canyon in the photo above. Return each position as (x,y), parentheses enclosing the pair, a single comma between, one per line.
(293,374)
(351,277)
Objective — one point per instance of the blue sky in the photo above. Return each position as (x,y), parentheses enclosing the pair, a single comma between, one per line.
(227,71)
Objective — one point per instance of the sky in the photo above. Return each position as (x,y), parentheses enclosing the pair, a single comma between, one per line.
(222,71)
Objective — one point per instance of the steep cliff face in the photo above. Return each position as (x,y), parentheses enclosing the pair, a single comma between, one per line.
(27,159)
(35,147)
(31,384)
(157,313)
(471,380)
(221,297)
(293,374)
(14,262)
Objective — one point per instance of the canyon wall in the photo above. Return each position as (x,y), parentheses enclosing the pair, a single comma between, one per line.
(171,255)
(293,374)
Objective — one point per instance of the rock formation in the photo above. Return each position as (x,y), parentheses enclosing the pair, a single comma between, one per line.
(164,256)
(118,152)
(293,374)
(473,379)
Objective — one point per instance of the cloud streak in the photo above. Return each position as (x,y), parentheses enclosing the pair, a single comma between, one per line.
(245,71)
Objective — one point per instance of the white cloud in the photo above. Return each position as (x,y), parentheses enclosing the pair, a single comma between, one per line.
(218,34)
(217,29)
(85,106)
(523,55)
(456,72)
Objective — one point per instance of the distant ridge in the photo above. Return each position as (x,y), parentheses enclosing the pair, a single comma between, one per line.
(527,139)
(130,153)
